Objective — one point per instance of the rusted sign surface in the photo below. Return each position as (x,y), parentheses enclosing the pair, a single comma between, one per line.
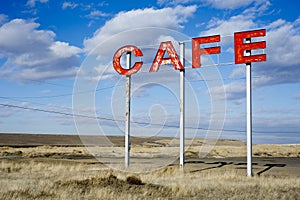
(240,47)
(160,60)
(117,58)
(197,51)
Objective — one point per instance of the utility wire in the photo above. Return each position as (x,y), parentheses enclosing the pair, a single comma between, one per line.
(55,112)
(135,122)
(102,118)
(60,95)
(104,88)
(48,83)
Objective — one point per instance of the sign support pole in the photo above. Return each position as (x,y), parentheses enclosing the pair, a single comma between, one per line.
(249,113)
(182,104)
(127,113)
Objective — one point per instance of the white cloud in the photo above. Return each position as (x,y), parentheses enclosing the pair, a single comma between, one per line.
(171,18)
(228,27)
(68,4)
(237,72)
(283,49)
(27,75)
(63,49)
(219,4)
(96,14)
(9,111)
(174,2)
(228,4)
(282,40)
(31,3)
(34,54)
(283,43)
(241,22)
(234,91)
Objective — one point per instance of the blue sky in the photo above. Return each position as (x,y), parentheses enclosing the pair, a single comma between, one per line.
(55,60)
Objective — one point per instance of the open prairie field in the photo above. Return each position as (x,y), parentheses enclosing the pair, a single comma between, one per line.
(61,167)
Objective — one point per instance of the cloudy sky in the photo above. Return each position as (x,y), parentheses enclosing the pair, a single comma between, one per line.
(56,61)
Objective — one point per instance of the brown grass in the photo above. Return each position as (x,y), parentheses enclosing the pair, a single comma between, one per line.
(32,180)
(259,150)
(48,172)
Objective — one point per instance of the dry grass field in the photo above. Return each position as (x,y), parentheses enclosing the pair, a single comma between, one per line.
(49,171)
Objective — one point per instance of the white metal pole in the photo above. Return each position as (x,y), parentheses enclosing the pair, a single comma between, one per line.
(249,113)
(127,114)
(182,104)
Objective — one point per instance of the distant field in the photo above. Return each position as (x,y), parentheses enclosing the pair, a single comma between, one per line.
(31,140)
(60,167)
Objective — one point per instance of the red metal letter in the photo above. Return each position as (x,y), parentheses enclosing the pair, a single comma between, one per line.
(160,60)
(197,51)
(240,47)
(116,60)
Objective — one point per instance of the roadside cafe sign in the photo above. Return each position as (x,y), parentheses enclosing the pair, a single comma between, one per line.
(167,55)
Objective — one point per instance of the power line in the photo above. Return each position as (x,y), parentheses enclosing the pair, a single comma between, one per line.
(55,112)
(42,104)
(48,83)
(90,117)
(135,122)
(101,89)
